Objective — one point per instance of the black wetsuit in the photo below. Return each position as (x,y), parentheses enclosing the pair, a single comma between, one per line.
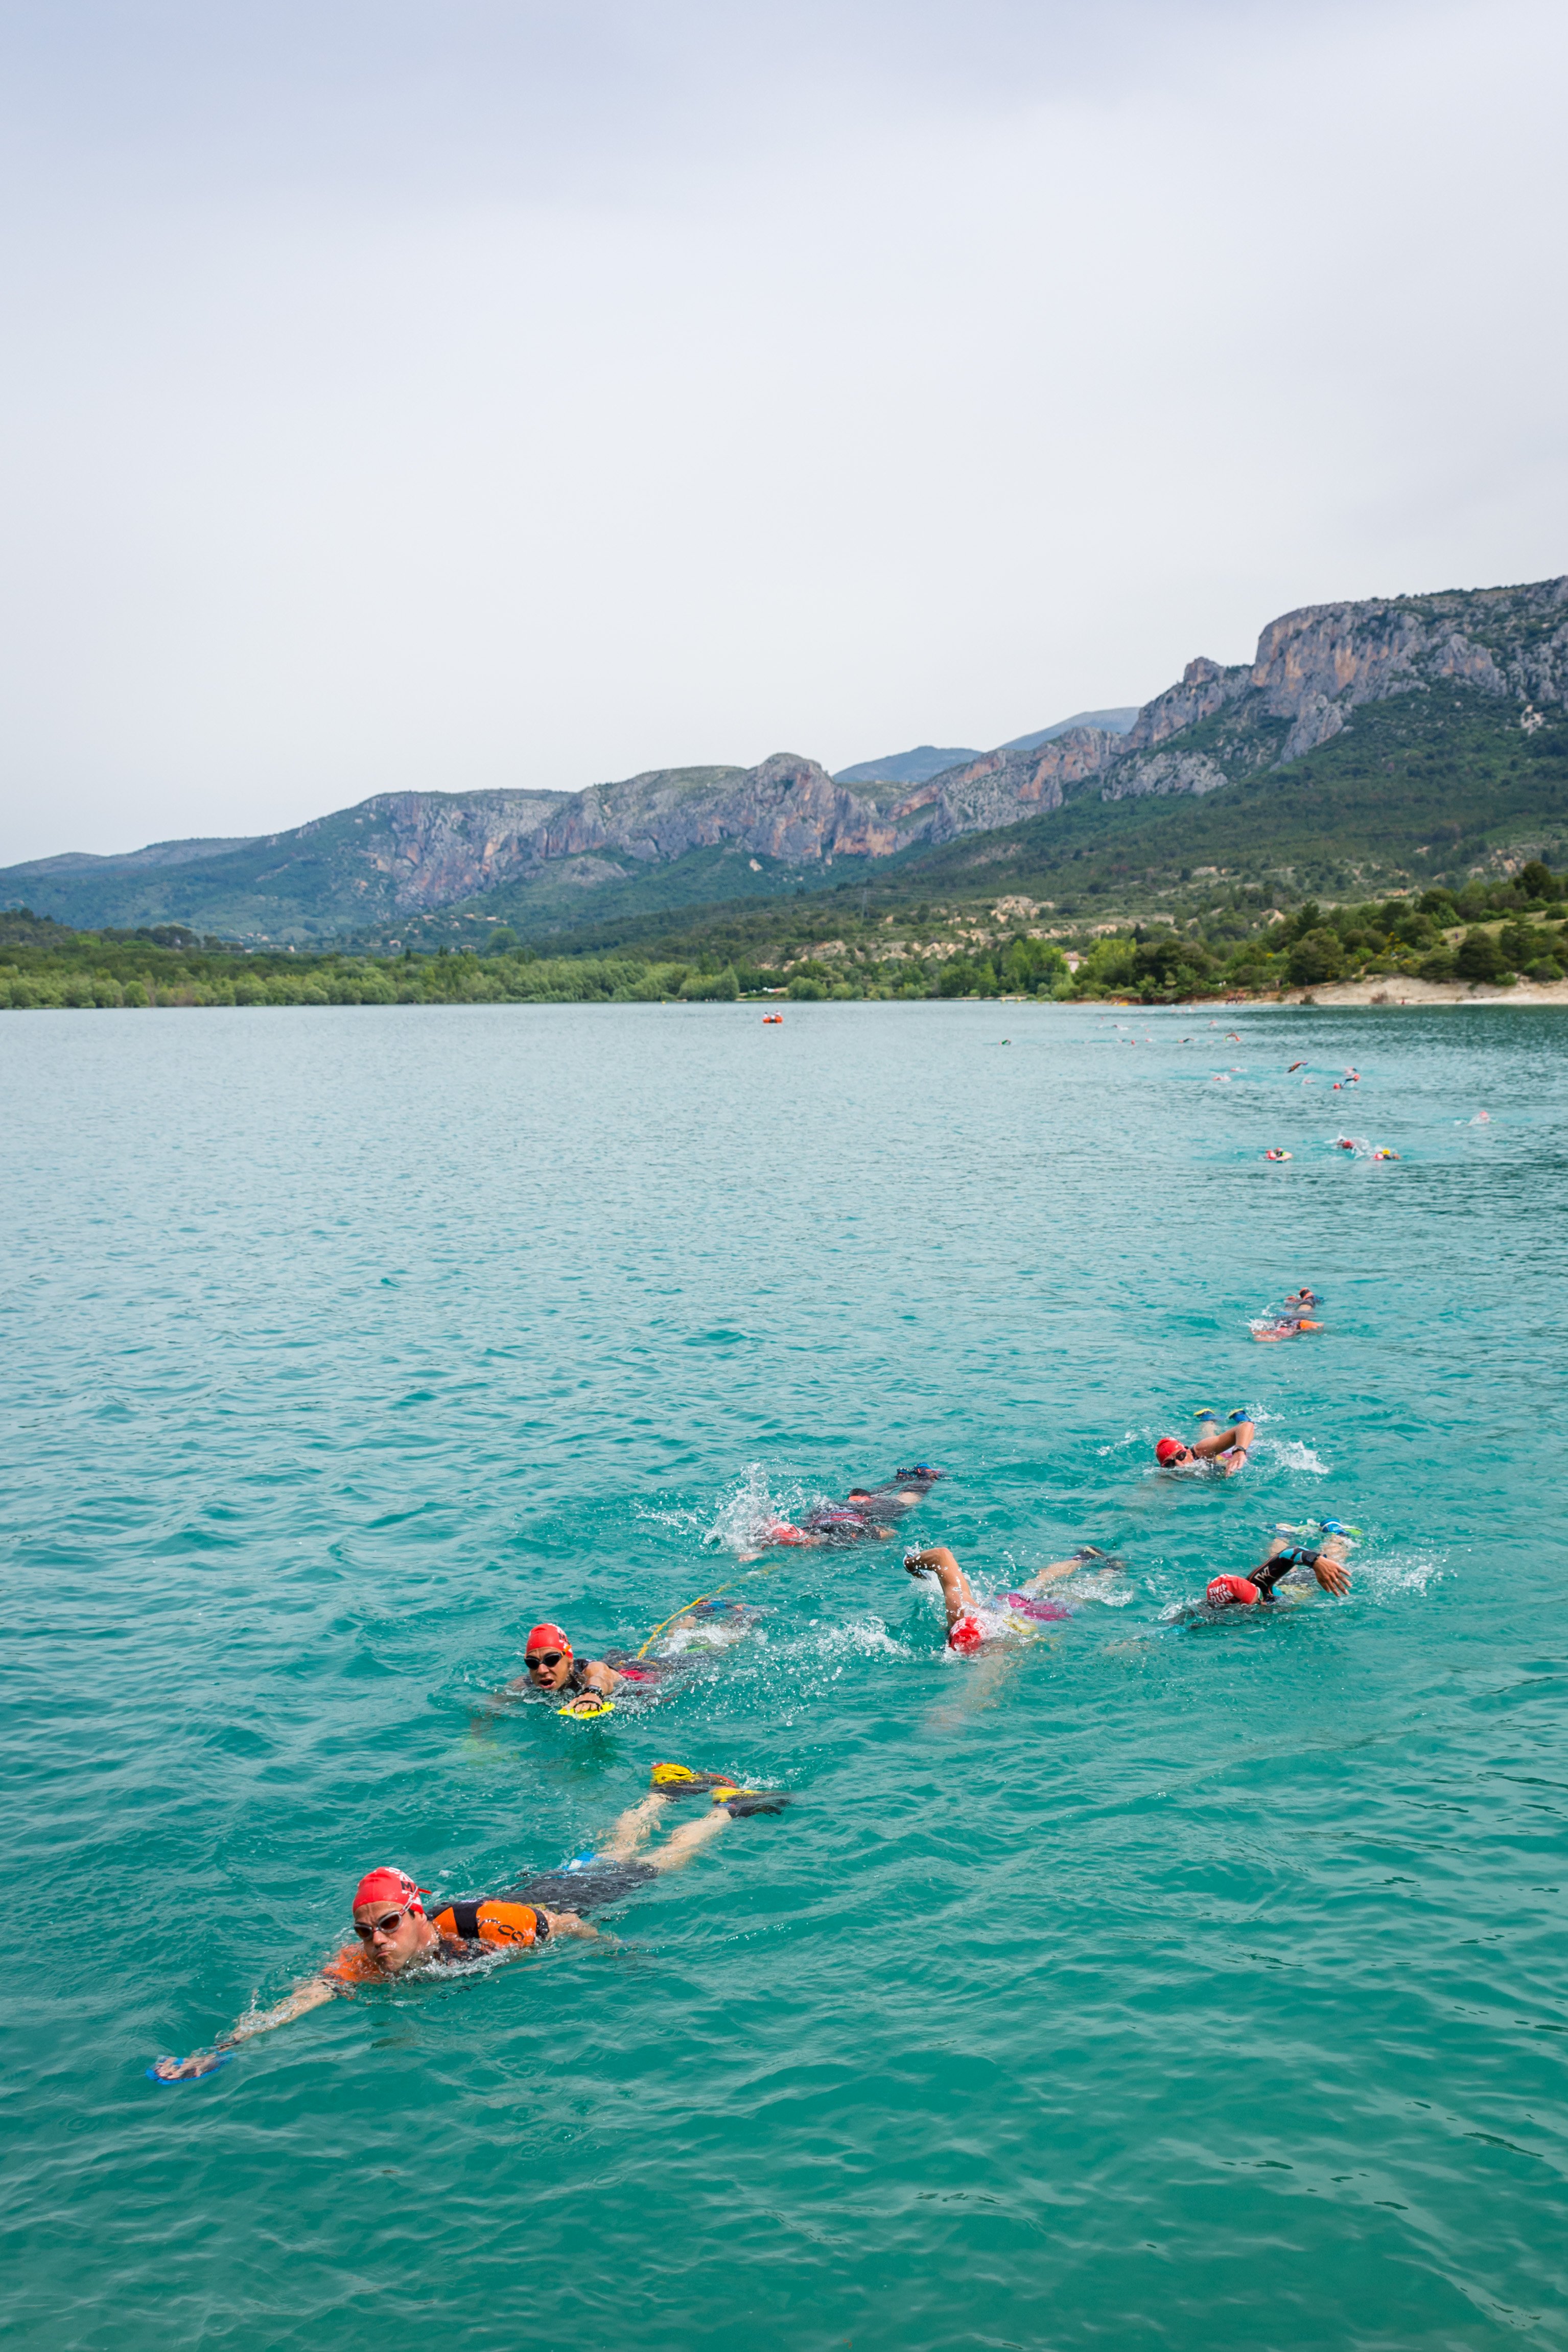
(589,1889)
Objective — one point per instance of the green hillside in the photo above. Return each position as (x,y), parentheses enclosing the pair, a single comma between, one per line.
(305,886)
(1491,932)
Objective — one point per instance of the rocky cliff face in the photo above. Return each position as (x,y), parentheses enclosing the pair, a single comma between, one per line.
(1314,668)
(429,850)
(403,854)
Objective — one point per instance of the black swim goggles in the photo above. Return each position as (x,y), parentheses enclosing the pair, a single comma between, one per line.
(535,1659)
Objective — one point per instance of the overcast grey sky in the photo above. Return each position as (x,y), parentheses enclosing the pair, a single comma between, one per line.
(488,394)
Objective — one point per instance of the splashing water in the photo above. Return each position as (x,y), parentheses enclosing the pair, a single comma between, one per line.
(1295,1453)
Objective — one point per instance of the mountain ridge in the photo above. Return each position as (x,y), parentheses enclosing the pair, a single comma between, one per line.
(538,857)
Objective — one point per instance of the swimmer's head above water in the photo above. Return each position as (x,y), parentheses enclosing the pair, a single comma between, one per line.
(548,1658)
(390,1921)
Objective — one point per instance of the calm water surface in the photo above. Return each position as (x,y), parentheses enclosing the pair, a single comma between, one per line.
(1184,1987)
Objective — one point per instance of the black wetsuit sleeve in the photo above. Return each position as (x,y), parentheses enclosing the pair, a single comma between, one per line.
(1267,1577)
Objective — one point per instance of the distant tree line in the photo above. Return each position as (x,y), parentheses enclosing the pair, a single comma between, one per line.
(1488,931)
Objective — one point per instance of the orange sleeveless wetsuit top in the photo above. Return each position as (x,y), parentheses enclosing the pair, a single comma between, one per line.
(491,1922)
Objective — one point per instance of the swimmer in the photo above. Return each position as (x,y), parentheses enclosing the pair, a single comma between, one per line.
(396,1936)
(1226,1448)
(588,1684)
(1298,1314)
(972,1622)
(866,1515)
(1285,1558)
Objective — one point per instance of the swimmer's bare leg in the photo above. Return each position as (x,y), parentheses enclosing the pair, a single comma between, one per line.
(682,1843)
(1085,1560)
(632,1828)
(940,1563)
(1051,1573)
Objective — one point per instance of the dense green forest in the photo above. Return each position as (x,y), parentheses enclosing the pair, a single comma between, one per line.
(1490,931)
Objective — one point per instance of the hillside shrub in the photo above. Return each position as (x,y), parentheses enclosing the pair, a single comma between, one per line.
(1519,944)
(1315,957)
(1480,957)
(1165,970)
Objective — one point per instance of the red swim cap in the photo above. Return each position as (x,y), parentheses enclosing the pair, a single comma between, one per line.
(549,1637)
(1168,1448)
(1232,1591)
(390,1886)
(967,1636)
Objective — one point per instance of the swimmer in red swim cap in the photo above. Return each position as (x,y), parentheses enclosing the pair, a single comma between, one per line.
(1226,1448)
(553,1670)
(395,1934)
(866,1515)
(1258,1590)
(971,1623)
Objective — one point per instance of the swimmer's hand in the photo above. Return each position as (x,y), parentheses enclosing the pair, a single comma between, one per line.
(572,1923)
(186,2070)
(1331,1574)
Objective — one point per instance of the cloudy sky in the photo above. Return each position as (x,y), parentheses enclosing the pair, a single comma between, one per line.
(480,394)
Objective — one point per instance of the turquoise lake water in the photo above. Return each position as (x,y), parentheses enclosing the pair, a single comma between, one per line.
(1184,1986)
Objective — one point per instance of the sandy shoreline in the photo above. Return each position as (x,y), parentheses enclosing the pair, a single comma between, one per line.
(1386,990)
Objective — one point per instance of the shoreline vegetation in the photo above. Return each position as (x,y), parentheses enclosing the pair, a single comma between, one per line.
(1498,939)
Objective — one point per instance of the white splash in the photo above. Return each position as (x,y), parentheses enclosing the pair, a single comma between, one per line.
(1292,1455)
(1395,1573)
(745,1515)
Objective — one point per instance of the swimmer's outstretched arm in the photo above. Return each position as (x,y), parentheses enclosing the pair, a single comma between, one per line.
(940,1563)
(1327,1565)
(303,1999)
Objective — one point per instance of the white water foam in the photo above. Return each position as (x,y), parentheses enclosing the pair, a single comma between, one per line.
(1292,1454)
(747,1512)
(1396,1572)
